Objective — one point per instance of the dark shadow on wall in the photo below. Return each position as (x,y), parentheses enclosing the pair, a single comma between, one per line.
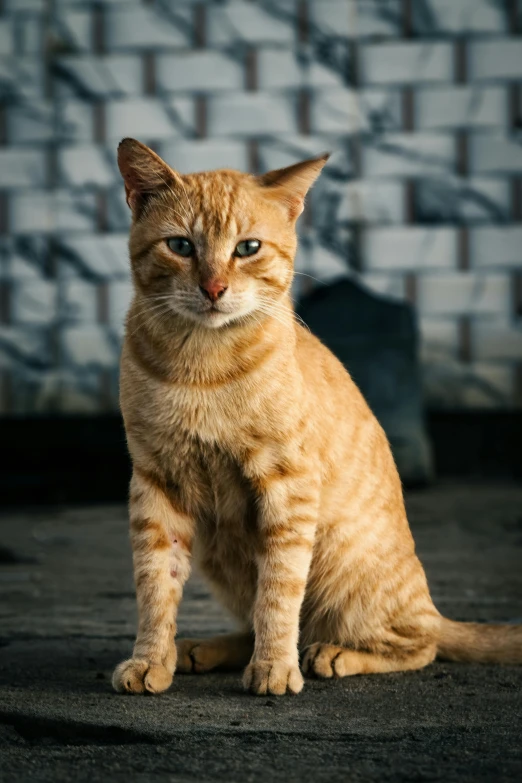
(377,341)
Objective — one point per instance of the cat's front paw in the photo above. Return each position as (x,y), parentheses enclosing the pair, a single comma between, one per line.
(140,676)
(275,677)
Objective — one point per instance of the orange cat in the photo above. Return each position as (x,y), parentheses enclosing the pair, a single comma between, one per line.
(255,453)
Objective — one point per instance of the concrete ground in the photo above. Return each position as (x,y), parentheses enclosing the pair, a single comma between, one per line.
(67,616)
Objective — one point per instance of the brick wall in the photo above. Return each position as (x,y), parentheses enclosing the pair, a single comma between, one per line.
(420,100)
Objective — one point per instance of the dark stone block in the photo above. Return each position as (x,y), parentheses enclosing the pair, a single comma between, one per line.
(376,340)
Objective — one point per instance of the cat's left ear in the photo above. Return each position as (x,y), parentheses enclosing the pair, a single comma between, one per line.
(292,183)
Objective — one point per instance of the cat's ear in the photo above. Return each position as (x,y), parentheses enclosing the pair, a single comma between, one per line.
(292,183)
(142,170)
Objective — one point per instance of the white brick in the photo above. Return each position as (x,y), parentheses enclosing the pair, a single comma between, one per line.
(439,336)
(27,257)
(31,34)
(28,123)
(286,150)
(348,111)
(6,37)
(94,257)
(322,263)
(410,248)
(43,211)
(366,201)
(24,5)
(89,346)
(491,153)
(32,212)
(149,28)
(488,385)
(32,390)
(406,63)
(200,71)
(352,18)
(5,250)
(72,30)
(118,214)
(498,59)
(86,165)
(78,302)
(448,383)
(336,110)
(408,154)
(22,79)
(28,343)
(280,68)
(120,297)
(492,246)
(497,340)
(102,2)
(20,168)
(75,210)
(250,114)
(149,118)
(459,199)
(462,293)
(387,285)
(455,107)
(242,21)
(74,121)
(435,17)
(79,391)
(33,302)
(98,76)
(204,155)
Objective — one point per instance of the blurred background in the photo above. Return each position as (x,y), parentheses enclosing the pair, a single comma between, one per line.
(420,102)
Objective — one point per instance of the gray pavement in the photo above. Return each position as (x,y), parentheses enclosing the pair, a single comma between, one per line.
(67,616)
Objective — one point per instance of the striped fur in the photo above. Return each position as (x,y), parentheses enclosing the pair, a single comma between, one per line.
(254,452)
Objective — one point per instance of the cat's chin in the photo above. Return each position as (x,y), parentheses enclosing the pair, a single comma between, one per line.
(216,319)
(213,319)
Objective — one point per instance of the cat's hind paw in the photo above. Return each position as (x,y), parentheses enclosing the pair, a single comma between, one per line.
(194,656)
(274,677)
(141,676)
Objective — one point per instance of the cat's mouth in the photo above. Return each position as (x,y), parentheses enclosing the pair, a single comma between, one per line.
(213,310)
(215,315)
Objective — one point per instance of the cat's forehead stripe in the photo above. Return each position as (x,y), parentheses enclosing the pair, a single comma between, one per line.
(213,197)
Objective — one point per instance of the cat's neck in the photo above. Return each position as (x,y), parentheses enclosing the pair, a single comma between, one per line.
(176,350)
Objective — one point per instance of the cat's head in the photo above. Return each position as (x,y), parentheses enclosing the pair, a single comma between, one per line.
(217,246)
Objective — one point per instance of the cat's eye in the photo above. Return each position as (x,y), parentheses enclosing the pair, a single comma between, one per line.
(248,247)
(181,246)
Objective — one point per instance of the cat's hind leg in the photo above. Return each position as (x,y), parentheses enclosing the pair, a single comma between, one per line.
(231,651)
(330,660)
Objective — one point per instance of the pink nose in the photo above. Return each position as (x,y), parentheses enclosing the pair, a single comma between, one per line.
(213,289)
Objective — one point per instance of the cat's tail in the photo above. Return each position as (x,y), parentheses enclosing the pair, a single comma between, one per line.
(479,642)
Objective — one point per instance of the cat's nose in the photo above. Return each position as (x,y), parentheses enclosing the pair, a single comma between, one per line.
(213,289)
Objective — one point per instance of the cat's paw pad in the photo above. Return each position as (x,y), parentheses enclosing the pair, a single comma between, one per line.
(194,656)
(275,677)
(140,676)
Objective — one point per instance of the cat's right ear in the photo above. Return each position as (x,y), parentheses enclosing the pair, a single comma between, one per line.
(292,183)
(143,172)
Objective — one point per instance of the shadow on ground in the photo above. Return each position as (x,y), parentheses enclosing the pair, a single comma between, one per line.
(67,616)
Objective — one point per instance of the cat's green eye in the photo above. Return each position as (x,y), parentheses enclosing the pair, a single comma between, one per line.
(181,246)
(248,247)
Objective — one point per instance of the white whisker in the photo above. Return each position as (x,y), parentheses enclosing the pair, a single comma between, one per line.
(305,274)
(188,201)
(154,314)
